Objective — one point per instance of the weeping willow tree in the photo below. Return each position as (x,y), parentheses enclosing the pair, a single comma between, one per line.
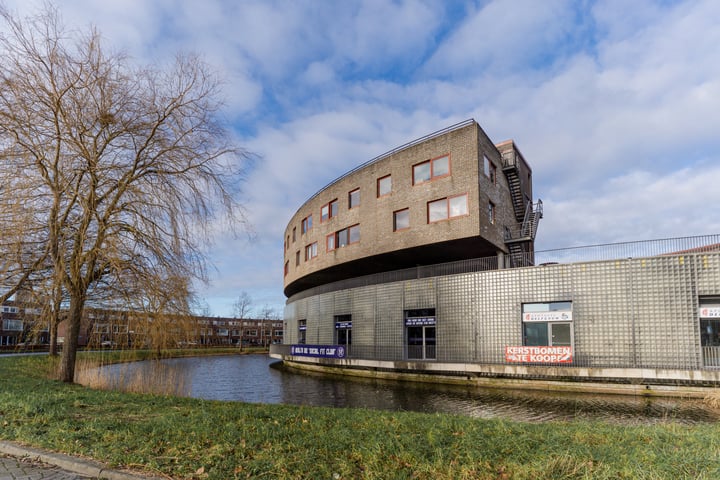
(118,174)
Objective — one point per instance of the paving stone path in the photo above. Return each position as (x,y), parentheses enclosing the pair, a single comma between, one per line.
(12,468)
(25,463)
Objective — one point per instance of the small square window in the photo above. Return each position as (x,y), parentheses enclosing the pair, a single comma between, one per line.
(401,220)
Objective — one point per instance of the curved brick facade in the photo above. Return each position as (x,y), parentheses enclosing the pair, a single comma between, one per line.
(401,228)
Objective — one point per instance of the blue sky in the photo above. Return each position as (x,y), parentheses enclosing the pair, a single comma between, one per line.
(615,104)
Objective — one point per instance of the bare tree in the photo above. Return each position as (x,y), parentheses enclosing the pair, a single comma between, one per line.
(242,308)
(119,173)
(267,315)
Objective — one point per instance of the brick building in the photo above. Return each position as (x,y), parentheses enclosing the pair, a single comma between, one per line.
(448,196)
(422,261)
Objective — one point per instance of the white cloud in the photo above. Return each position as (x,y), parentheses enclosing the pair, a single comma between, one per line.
(637,205)
(615,104)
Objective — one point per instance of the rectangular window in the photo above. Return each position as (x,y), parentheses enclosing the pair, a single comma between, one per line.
(347,236)
(294,232)
(287,268)
(343,330)
(384,186)
(547,324)
(328,211)
(310,251)
(302,330)
(709,314)
(431,169)
(297,258)
(445,208)
(490,170)
(330,242)
(491,212)
(354,198)
(306,224)
(102,328)
(401,220)
(13,325)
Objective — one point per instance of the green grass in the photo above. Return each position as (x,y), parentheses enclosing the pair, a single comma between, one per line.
(189,438)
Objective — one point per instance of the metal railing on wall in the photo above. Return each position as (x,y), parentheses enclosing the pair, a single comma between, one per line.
(588,253)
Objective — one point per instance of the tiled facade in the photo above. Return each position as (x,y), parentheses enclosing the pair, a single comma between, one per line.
(436,298)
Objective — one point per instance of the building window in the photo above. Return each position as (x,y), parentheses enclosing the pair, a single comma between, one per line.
(491,212)
(354,198)
(384,186)
(709,314)
(343,330)
(401,219)
(287,243)
(287,268)
(445,208)
(13,325)
(431,169)
(102,328)
(302,331)
(547,324)
(420,334)
(328,211)
(306,224)
(310,251)
(346,236)
(330,242)
(490,170)
(297,258)
(294,232)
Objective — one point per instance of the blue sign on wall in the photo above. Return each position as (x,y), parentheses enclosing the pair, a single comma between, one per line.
(319,351)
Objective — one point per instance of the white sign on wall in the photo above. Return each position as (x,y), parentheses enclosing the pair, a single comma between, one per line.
(709,312)
(560,316)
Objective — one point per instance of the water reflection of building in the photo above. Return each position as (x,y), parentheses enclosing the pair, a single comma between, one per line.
(422,260)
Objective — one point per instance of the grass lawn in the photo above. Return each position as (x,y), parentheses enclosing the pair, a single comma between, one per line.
(188,438)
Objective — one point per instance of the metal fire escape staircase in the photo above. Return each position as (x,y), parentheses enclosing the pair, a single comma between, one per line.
(519,238)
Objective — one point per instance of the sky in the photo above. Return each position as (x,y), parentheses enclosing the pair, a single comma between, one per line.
(615,104)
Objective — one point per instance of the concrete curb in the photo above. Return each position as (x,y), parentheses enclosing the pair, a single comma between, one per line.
(66,462)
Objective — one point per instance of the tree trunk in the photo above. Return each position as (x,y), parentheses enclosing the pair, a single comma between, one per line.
(67,361)
(53,336)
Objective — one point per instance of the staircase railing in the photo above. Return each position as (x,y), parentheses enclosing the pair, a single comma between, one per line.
(527,230)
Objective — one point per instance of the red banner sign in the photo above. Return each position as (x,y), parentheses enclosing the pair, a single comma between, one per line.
(538,354)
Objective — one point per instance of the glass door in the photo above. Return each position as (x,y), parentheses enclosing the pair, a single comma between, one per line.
(421,343)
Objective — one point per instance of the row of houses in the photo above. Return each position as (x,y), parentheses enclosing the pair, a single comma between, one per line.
(22,326)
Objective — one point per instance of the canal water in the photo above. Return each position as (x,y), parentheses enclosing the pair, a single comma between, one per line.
(260,379)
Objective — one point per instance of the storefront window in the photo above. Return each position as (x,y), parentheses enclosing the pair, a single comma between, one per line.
(709,315)
(547,324)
